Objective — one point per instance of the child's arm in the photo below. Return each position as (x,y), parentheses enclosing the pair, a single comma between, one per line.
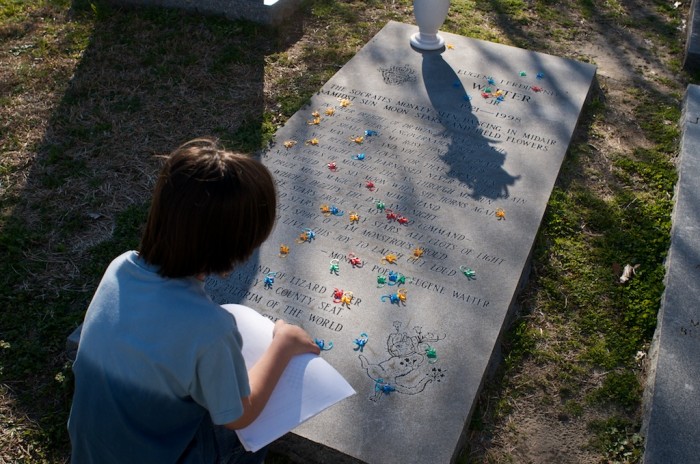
(287,341)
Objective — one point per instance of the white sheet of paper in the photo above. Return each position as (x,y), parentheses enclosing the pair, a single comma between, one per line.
(308,386)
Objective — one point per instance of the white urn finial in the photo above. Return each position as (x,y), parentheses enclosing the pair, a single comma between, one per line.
(430,15)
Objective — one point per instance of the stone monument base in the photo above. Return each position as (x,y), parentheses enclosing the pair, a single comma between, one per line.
(691,59)
(672,395)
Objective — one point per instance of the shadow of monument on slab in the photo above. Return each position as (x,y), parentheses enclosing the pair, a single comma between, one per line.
(447,94)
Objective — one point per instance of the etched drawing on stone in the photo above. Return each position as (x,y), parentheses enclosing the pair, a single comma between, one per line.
(411,365)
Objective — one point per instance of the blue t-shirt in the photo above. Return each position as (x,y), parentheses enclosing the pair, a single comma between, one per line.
(155,356)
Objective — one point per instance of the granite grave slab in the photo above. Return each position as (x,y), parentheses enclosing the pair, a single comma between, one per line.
(672,398)
(691,59)
(410,193)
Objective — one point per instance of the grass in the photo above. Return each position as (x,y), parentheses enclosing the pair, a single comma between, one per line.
(90,96)
(599,325)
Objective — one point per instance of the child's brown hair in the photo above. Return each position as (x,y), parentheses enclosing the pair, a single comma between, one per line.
(211,209)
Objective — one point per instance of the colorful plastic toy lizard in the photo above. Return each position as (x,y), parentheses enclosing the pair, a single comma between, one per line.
(289,144)
(361,342)
(269,279)
(385,388)
(431,354)
(284,251)
(417,254)
(398,298)
(391,258)
(346,299)
(337,295)
(468,272)
(354,260)
(307,235)
(323,345)
(354,217)
(396,278)
(335,266)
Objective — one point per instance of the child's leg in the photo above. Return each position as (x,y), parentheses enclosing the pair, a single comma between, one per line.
(231,451)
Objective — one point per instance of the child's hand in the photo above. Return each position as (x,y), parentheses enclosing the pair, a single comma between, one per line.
(288,340)
(293,339)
